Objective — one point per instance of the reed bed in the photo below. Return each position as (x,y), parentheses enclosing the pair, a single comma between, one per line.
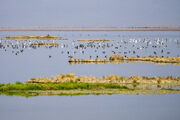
(110,79)
(116,59)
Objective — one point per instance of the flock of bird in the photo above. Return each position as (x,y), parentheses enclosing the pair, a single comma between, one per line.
(18,46)
(73,48)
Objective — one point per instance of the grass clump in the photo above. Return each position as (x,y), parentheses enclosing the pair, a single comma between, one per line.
(21,86)
(17,82)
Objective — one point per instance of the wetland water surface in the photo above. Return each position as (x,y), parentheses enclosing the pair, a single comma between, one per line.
(21,61)
(103,107)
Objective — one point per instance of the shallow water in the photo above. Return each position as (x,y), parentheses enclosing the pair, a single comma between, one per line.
(20,62)
(103,107)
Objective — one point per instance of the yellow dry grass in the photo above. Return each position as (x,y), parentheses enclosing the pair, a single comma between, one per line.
(43,37)
(71,77)
(45,44)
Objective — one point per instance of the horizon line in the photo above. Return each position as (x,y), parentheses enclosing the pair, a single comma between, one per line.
(92,30)
(21,27)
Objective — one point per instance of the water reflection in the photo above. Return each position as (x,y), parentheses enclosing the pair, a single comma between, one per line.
(102,107)
(163,91)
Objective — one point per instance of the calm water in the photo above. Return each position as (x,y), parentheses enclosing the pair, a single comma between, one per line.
(103,107)
(20,62)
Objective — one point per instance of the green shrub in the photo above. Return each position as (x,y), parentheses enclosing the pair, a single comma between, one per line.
(1,85)
(17,82)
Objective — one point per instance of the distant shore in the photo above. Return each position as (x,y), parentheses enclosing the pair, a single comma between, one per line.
(5,27)
(90,28)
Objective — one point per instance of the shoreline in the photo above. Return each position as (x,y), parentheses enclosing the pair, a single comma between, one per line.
(31,93)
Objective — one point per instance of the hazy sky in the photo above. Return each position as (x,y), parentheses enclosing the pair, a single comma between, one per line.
(89,12)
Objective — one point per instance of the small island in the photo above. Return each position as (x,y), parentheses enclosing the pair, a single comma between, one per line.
(42,37)
(70,84)
(117,59)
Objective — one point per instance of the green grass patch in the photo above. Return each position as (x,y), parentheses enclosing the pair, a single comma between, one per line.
(19,82)
(170,89)
(1,85)
(59,86)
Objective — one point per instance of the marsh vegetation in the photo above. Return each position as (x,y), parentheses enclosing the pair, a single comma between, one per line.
(120,59)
